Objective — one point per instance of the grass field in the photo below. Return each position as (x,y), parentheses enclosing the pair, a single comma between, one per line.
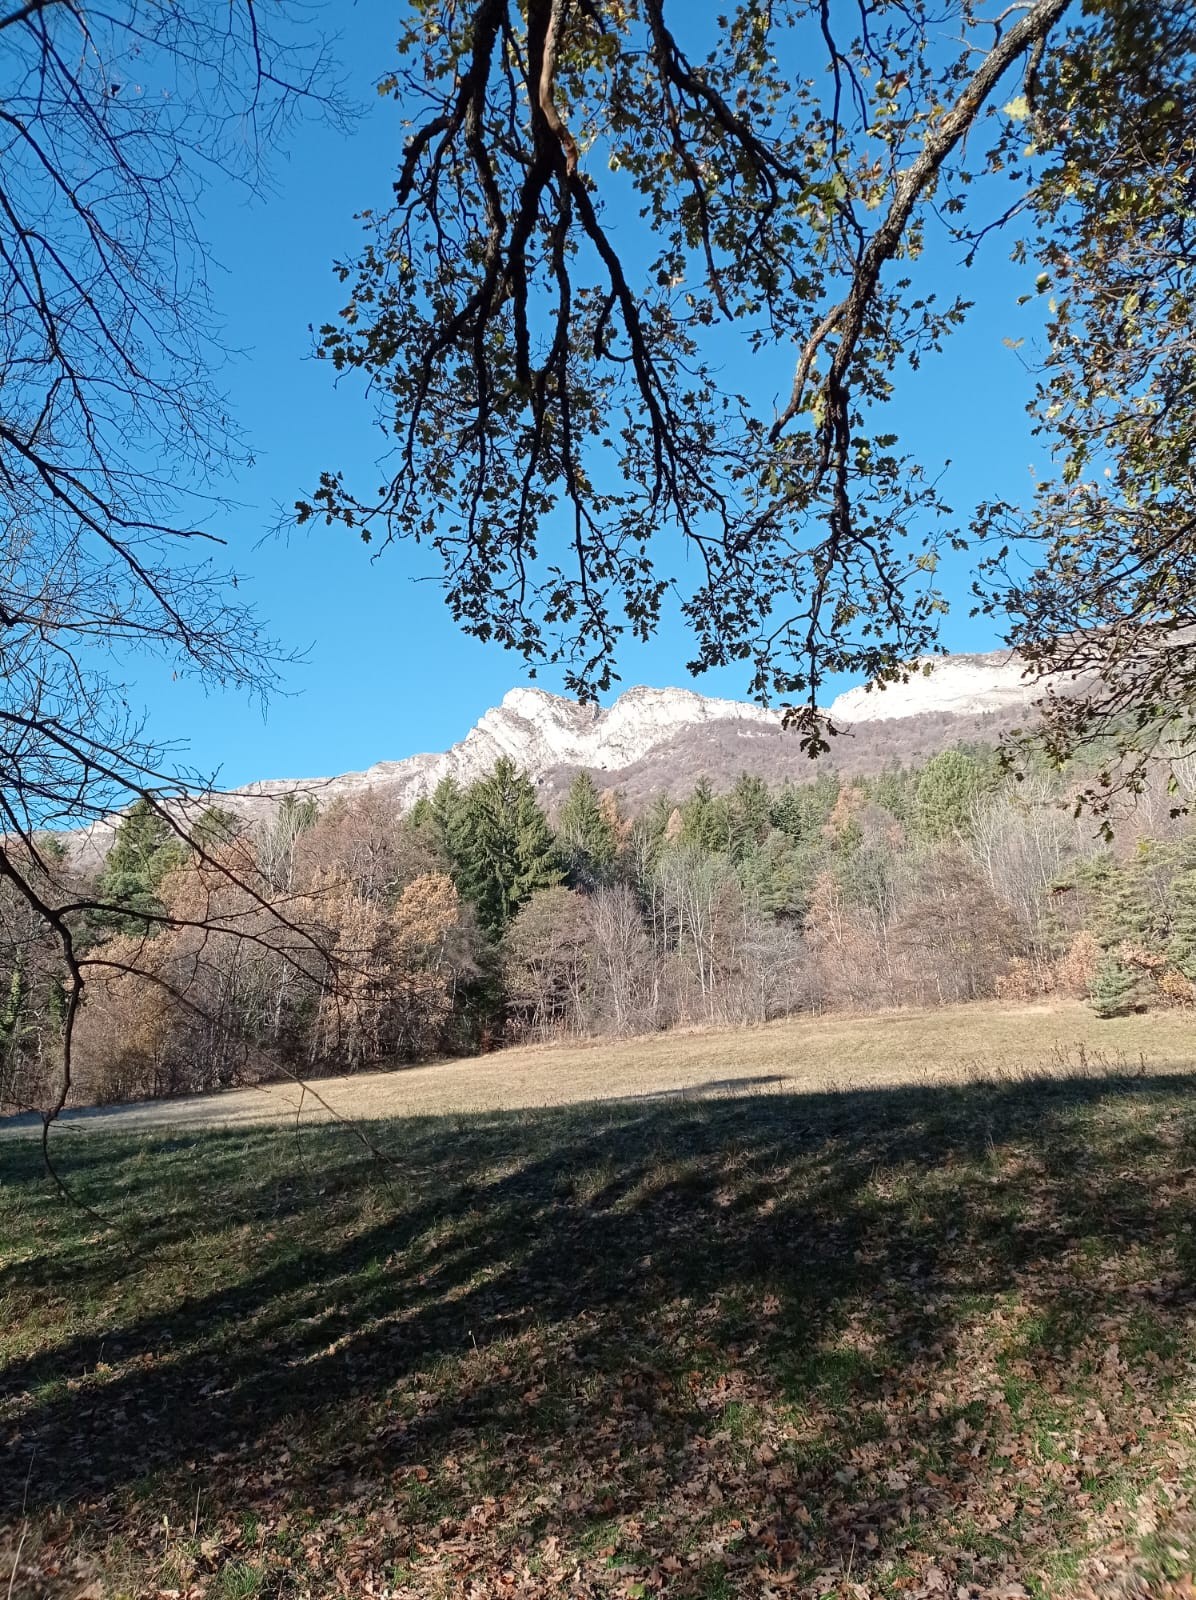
(913,1338)
(950,1044)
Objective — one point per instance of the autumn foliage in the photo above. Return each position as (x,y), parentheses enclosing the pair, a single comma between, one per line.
(362,938)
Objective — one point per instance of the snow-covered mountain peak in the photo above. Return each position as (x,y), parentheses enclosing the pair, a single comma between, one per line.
(533,704)
(650,739)
(960,685)
(540,730)
(544,733)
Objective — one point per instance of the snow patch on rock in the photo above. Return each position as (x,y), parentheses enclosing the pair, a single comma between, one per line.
(963,685)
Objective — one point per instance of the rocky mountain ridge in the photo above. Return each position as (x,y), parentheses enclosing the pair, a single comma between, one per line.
(961,685)
(654,739)
(539,732)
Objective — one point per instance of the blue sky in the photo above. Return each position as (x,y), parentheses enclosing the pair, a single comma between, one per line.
(386,672)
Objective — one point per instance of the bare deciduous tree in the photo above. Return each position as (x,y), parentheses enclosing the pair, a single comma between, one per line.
(113,433)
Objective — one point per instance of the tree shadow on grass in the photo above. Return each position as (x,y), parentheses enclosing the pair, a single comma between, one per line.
(767,1333)
(703,1091)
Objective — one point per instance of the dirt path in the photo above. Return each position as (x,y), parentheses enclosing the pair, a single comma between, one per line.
(809,1053)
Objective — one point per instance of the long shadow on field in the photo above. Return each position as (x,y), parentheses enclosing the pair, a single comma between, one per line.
(595,1298)
(702,1091)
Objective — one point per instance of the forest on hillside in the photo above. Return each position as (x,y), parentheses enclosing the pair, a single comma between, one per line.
(357,937)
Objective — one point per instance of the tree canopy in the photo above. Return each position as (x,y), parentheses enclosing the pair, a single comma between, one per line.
(598,200)
(144,849)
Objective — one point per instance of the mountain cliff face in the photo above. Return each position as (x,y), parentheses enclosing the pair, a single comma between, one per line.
(664,739)
(963,685)
(541,733)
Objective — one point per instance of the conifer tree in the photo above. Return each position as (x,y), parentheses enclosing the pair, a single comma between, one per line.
(654,821)
(802,810)
(748,806)
(1126,913)
(895,791)
(1115,990)
(438,816)
(501,846)
(144,850)
(1181,951)
(786,812)
(216,826)
(705,820)
(775,877)
(586,834)
(445,806)
(946,792)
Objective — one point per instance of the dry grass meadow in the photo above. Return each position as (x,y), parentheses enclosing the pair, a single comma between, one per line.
(894,1308)
(950,1044)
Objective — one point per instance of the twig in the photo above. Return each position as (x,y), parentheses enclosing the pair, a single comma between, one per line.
(916,179)
(16,1561)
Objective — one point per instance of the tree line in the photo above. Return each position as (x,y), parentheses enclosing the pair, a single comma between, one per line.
(357,937)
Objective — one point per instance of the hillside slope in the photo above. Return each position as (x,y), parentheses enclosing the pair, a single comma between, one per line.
(654,740)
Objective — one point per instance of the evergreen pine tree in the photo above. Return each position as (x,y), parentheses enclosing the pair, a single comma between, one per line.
(802,810)
(586,834)
(943,801)
(654,821)
(1181,951)
(501,846)
(1115,990)
(895,790)
(215,827)
(1134,929)
(51,849)
(537,855)
(445,802)
(774,877)
(438,817)
(749,808)
(144,850)
(1126,912)
(705,819)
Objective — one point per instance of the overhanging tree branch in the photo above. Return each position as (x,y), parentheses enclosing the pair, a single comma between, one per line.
(847,319)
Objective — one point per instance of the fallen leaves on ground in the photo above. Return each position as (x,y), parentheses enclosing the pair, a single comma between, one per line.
(906,1344)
